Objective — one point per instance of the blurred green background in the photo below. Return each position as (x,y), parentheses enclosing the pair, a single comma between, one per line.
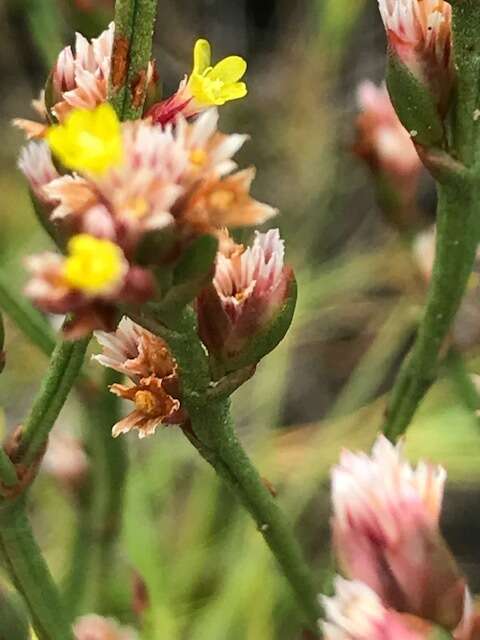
(205,567)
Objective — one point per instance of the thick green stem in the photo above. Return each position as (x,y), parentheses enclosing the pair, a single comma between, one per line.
(30,573)
(211,432)
(458,225)
(132,52)
(63,370)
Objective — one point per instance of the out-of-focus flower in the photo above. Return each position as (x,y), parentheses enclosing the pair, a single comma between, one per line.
(146,359)
(385,145)
(88,140)
(465,332)
(469,627)
(93,627)
(419,33)
(36,164)
(357,613)
(207,86)
(385,533)
(249,288)
(382,139)
(87,281)
(65,460)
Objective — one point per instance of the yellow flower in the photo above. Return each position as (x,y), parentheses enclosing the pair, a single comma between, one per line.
(88,140)
(216,85)
(94,266)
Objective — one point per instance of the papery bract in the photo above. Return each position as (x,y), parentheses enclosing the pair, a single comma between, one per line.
(385,533)
(357,613)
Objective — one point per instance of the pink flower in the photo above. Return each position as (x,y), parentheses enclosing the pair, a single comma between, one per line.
(357,613)
(93,627)
(145,358)
(381,138)
(419,32)
(249,288)
(80,78)
(385,532)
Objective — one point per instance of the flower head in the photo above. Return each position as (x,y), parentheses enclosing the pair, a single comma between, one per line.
(146,360)
(357,613)
(88,140)
(93,627)
(385,532)
(419,33)
(249,288)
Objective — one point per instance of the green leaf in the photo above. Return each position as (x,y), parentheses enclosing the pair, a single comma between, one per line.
(13,618)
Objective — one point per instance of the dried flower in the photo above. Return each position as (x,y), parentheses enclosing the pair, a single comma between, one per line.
(385,533)
(419,32)
(93,627)
(146,359)
(357,613)
(249,288)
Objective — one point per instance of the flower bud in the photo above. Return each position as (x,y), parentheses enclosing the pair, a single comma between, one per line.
(249,306)
(420,72)
(386,533)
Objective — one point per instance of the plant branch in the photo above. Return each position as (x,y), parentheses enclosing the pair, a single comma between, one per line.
(211,431)
(63,370)
(30,573)
(458,228)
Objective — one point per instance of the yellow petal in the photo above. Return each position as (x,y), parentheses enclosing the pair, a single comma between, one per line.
(94,266)
(202,56)
(88,140)
(233,91)
(229,70)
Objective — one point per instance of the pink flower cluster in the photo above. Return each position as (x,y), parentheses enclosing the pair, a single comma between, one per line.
(387,542)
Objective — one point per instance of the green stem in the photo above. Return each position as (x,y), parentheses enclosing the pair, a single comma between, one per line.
(30,573)
(132,52)
(63,370)
(211,432)
(26,318)
(458,229)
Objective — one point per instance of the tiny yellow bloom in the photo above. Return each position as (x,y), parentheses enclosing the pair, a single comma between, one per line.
(219,84)
(93,266)
(88,140)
